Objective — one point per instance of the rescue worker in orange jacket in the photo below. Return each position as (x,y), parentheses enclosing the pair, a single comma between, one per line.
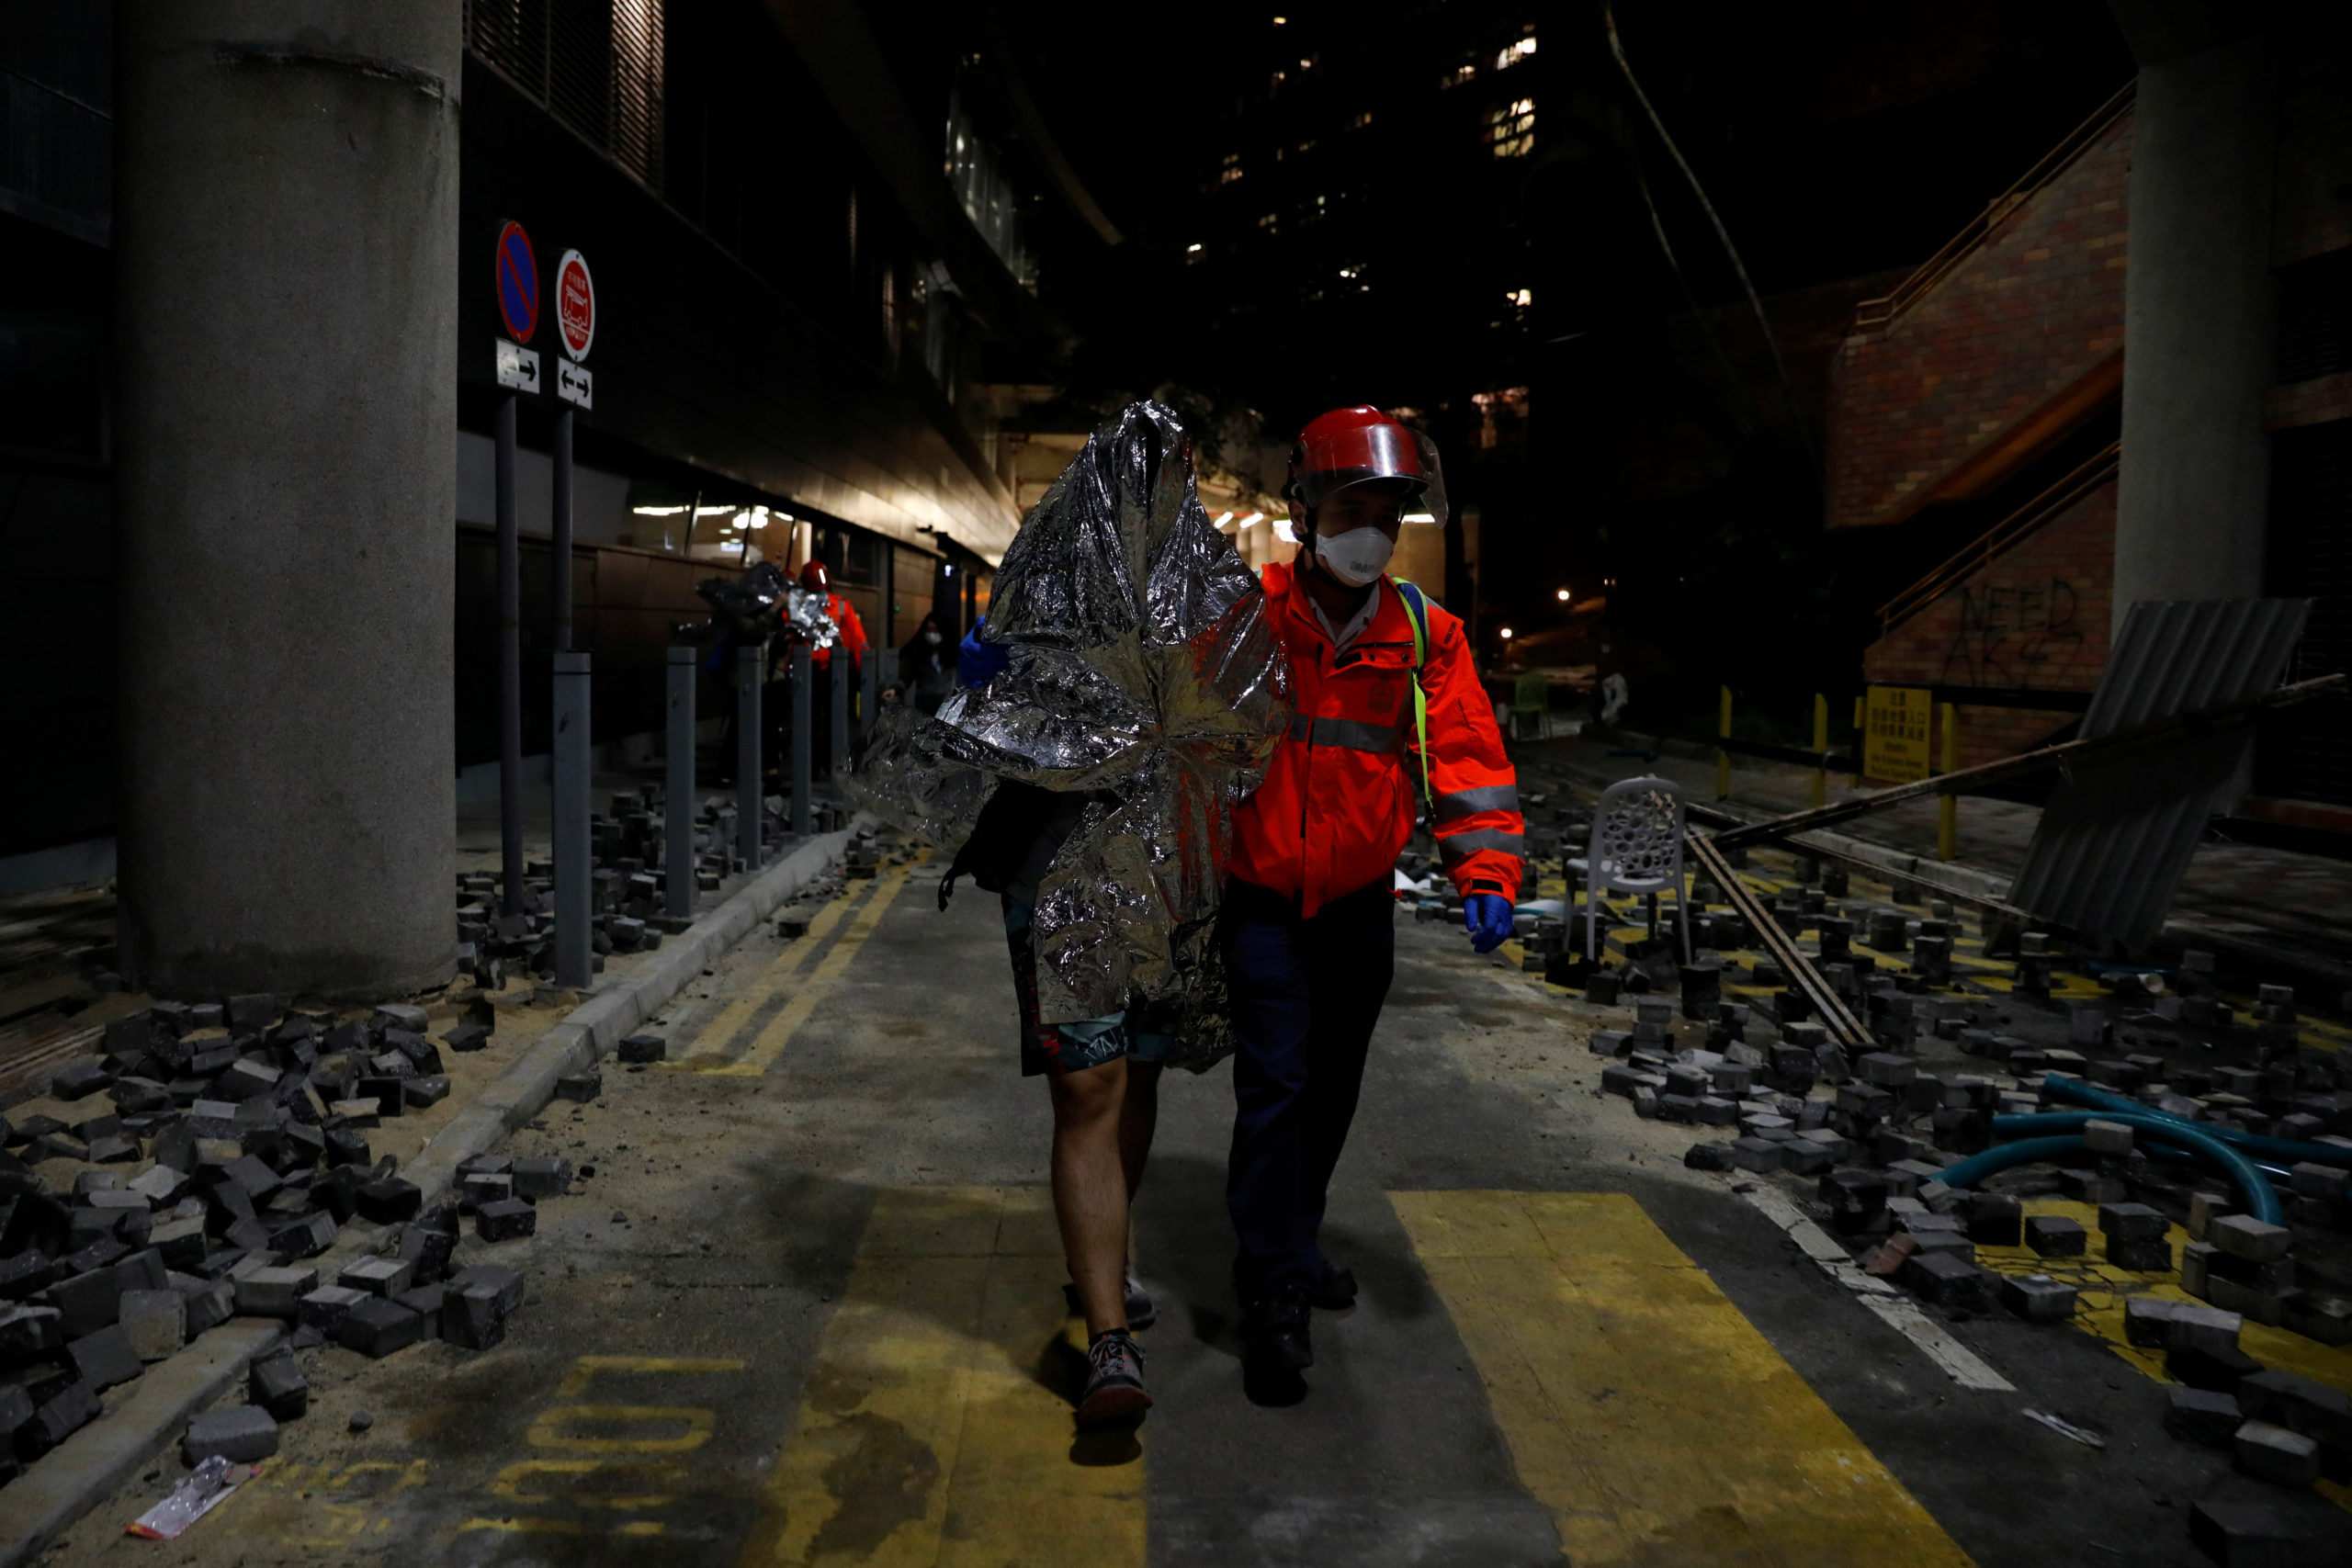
(816,579)
(1308,925)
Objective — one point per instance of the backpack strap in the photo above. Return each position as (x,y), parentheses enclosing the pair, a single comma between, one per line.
(1417,610)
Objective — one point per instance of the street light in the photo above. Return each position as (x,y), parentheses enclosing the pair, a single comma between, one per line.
(1506,634)
(1563,595)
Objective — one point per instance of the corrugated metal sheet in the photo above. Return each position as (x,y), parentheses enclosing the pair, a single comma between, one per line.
(2116,837)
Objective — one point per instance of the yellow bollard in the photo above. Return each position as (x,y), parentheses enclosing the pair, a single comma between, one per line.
(1820,745)
(1722,758)
(1948,806)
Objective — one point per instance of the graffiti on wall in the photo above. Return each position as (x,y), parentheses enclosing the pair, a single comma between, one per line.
(2015,635)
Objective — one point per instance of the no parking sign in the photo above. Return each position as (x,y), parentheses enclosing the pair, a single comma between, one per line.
(518,306)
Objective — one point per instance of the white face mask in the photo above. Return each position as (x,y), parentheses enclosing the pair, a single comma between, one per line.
(931,638)
(1356,557)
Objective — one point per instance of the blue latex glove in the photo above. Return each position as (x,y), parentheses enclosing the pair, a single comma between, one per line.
(1487,917)
(978,662)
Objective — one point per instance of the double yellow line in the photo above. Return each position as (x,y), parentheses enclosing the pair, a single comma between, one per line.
(704,1056)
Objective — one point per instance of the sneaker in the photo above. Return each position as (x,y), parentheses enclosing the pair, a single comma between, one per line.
(1114,1389)
(1274,1334)
(1335,1292)
(1141,1313)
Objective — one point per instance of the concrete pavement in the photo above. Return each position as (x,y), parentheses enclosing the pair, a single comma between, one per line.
(807,1309)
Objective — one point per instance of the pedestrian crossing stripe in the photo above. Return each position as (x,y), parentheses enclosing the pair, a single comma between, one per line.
(1641,1407)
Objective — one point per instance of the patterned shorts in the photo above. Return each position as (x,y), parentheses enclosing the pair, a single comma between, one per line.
(1144,1032)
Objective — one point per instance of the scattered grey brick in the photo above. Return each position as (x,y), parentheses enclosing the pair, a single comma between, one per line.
(66,1413)
(429,1090)
(2038,1298)
(2132,1221)
(104,1358)
(276,1384)
(546,1177)
(582,1086)
(2203,1328)
(2275,1454)
(389,1200)
(155,1322)
(2260,1535)
(1949,1281)
(274,1291)
(325,1307)
(208,1303)
(242,1434)
(425,1301)
(507,1219)
(79,1079)
(642,1048)
(2243,1235)
(2203,1417)
(376,1275)
(377,1328)
(471,1317)
(507,1282)
(400,1016)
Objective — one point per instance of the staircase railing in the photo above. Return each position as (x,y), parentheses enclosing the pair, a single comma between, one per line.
(1911,290)
(2001,537)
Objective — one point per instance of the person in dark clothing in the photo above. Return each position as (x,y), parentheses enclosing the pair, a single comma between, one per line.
(927,666)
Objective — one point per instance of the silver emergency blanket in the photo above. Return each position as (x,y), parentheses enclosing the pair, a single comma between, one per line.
(1143,675)
(806,619)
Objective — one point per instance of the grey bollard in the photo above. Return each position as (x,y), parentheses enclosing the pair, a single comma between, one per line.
(575,870)
(837,677)
(802,741)
(748,659)
(678,849)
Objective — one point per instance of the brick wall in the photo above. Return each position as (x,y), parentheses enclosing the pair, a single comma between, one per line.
(2036,618)
(2031,313)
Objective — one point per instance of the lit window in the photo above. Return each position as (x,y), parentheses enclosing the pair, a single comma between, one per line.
(1193,255)
(1523,297)
(1523,49)
(1360,120)
(1266,221)
(1510,129)
(1230,170)
(1455,77)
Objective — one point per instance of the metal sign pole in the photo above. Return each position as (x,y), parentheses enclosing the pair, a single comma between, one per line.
(678,868)
(837,677)
(574,938)
(568,775)
(748,659)
(803,720)
(510,671)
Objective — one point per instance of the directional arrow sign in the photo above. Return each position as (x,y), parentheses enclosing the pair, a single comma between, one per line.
(573,383)
(517,366)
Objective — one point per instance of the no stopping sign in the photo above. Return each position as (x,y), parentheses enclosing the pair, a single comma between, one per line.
(575,304)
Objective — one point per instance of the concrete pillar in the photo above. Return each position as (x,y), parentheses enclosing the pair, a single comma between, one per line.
(2198,351)
(286,222)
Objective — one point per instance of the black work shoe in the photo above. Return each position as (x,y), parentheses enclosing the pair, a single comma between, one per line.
(1274,1334)
(1114,1389)
(1335,1292)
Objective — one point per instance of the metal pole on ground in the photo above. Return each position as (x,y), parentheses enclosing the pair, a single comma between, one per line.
(803,711)
(748,783)
(574,874)
(1722,758)
(1947,807)
(510,669)
(837,677)
(678,869)
(1820,748)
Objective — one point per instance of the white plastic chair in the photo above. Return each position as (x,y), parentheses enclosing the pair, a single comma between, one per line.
(1636,847)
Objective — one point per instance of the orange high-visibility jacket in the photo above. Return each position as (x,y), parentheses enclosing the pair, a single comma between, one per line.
(1338,800)
(853,636)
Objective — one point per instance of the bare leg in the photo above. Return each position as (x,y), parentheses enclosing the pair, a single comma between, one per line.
(1139,1118)
(1091,1188)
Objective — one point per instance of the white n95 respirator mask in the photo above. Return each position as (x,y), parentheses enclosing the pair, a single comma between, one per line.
(1356,557)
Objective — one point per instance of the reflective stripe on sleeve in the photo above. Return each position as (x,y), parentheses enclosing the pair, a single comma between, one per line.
(1470,802)
(1459,847)
(1352,734)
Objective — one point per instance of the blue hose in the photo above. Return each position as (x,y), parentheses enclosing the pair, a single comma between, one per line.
(2260,1200)
(2282,1149)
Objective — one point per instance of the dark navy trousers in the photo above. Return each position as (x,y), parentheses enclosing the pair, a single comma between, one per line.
(1305,996)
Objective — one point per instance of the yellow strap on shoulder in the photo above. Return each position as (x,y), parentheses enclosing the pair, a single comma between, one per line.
(1416,611)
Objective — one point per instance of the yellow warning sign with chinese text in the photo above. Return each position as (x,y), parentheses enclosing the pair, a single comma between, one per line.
(1897,722)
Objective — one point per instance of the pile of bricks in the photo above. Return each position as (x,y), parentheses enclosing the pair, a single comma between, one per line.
(226,1144)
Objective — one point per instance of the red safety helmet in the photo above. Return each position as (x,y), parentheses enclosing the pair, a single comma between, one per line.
(814,577)
(1351,446)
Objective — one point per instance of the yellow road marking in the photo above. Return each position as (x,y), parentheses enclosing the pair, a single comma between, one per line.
(720,1032)
(1641,1407)
(778,1032)
(2103,1291)
(586,1369)
(928,1432)
(553,1430)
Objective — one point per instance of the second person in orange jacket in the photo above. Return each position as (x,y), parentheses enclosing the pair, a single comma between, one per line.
(1307,930)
